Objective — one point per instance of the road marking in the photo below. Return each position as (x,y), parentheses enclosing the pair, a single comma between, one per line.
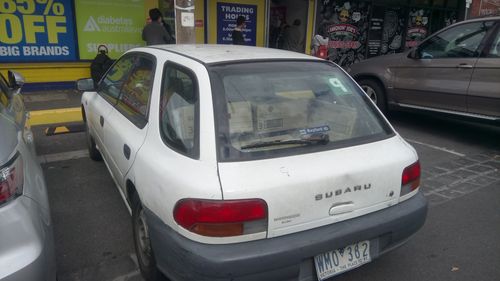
(436,147)
(63,156)
(55,116)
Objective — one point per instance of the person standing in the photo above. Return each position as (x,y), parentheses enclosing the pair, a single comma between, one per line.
(237,35)
(155,33)
(293,39)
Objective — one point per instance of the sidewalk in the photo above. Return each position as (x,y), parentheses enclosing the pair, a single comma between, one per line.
(53,107)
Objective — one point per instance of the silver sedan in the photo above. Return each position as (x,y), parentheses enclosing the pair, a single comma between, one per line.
(26,236)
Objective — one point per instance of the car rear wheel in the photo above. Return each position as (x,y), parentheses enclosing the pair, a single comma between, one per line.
(143,249)
(94,153)
(376,93)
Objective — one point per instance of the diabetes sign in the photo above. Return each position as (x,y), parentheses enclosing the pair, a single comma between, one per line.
(36,30)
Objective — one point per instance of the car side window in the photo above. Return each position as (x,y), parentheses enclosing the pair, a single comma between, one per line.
(110,86)
(457,42)
(179,110)
(136,91)
(495,46)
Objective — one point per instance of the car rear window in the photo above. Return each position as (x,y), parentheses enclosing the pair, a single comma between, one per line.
(282,108)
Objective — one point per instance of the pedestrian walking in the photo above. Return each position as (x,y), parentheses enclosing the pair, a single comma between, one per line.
(155,33)
(237,35)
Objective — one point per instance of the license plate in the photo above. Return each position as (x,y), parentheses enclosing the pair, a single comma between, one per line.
(335,262)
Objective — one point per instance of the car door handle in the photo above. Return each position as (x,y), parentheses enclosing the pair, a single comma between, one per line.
(126,151)
(464,66)
(101,120)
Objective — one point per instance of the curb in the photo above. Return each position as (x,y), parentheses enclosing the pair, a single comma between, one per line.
(55,116)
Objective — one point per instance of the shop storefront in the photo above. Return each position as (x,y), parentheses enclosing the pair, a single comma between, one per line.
(54,40)
(357,30)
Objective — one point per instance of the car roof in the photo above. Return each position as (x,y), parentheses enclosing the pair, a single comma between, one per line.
(212,54)
(482,18)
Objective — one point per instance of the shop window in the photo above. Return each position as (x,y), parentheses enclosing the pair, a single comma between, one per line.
(387,26)
(167,8)
(345,24)
(418,26)
(397,3)
(452,3)
(438,3)
(421,2)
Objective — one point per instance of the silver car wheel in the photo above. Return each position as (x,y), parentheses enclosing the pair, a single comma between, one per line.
(370,92)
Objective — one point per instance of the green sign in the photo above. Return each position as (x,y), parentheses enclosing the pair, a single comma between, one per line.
(115,23)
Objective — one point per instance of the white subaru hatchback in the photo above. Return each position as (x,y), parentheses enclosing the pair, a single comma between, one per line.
(244,163)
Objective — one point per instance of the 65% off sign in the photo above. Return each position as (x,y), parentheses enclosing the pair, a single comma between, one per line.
(36,28)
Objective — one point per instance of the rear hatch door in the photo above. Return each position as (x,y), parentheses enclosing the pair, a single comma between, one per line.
(311,190)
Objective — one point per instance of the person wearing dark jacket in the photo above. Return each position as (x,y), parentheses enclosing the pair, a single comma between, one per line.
(292,38)
(155,33)
(237,35)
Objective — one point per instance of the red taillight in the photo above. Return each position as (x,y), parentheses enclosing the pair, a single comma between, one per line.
(11,179)
(221,218)
(410,179)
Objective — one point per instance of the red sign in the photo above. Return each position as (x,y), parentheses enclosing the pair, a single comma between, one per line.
(199,23)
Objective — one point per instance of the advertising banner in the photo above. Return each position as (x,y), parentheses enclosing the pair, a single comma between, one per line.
(117,24)
(37,31)
(386,31)
(227,13)
(418,27)
(345,24)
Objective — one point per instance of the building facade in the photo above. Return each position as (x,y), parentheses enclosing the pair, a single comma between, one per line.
(52,42)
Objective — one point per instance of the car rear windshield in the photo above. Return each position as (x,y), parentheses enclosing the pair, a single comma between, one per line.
(283,108)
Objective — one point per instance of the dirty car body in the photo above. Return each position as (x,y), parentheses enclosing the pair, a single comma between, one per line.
(243,163)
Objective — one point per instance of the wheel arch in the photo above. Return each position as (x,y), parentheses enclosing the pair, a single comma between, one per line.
(377,80)
(132,195)
(84,114)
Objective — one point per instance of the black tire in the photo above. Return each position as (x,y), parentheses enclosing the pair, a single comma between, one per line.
(376,93)
(94,153)
(143,249)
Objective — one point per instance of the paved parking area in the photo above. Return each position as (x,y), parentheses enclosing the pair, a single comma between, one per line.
(460,177)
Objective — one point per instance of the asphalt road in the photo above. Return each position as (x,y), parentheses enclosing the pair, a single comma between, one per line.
(459,241)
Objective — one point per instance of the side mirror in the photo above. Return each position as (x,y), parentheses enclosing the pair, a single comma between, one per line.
(414,54)
(16,80)
(86,84)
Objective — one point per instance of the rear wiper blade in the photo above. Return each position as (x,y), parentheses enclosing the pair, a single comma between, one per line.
(310,139)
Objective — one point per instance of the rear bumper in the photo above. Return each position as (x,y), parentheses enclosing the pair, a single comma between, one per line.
(288,257)
(26,244)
